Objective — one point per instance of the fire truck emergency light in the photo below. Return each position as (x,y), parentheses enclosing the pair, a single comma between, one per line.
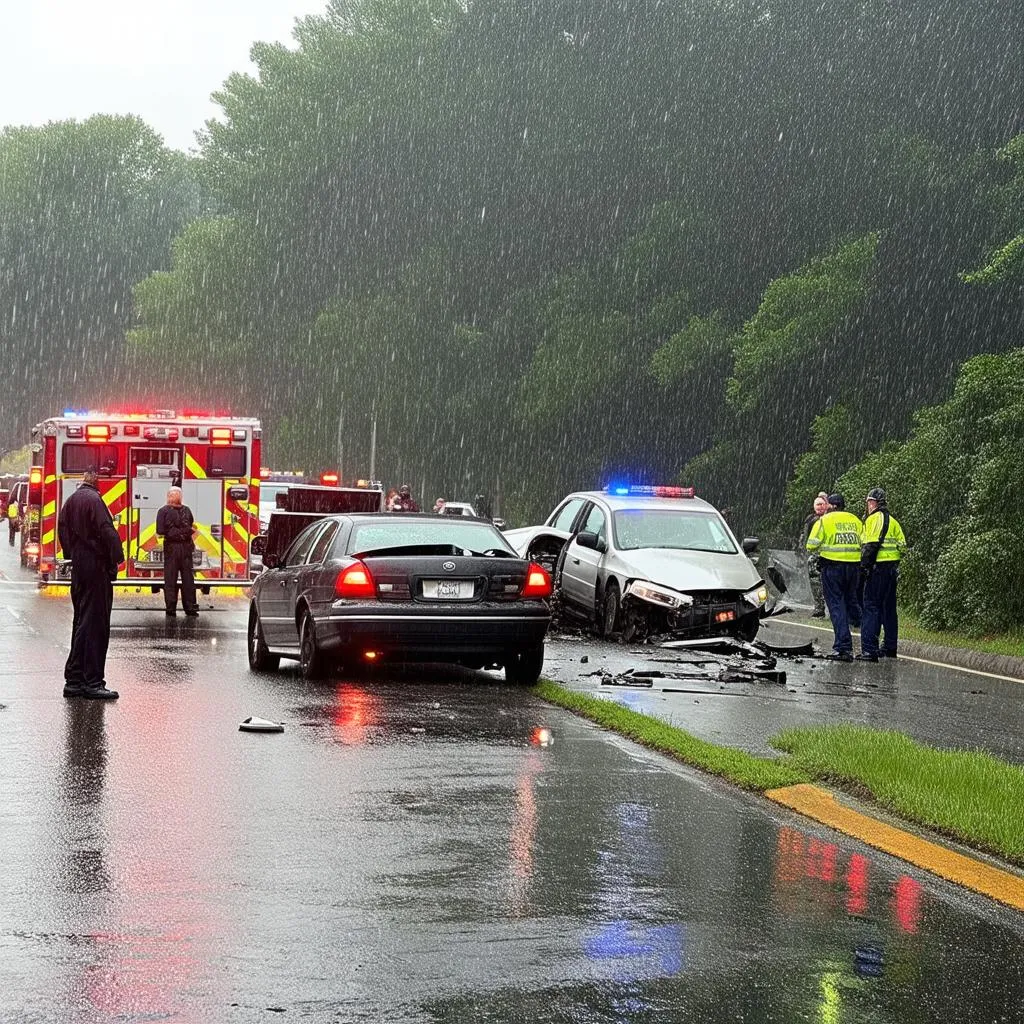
(97,433)
(220,435)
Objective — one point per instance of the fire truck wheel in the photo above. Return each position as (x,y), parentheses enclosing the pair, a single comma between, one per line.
(312,663)
(260,659)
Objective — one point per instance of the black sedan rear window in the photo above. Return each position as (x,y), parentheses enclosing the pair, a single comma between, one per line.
(381,535)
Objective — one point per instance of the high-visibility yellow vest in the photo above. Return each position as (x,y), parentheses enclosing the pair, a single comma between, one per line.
(895,542)
(836,537)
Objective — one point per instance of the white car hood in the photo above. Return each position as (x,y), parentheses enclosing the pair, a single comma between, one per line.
(688,570)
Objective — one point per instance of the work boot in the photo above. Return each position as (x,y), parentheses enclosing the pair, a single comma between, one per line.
(866,657)
(99,693)
(839,656)
(170,613)
(72,689)
(887,654)
(192,613)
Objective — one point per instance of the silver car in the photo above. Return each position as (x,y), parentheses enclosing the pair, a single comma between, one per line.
(637,561)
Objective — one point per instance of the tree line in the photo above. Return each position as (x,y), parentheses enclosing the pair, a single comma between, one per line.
(737,243)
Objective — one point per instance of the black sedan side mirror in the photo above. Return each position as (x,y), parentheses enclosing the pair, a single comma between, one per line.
(592,541)
(750,545)
(271,561)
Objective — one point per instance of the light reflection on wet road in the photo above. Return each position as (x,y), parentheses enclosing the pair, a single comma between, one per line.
(408,849)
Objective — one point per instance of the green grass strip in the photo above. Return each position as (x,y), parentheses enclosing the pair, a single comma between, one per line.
(739,767)
(966,794)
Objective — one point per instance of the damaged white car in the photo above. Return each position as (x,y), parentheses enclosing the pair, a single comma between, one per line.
(637,561)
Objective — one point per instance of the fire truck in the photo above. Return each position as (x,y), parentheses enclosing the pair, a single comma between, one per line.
(214,459)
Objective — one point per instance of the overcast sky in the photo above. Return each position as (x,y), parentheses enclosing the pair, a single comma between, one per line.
(159,59)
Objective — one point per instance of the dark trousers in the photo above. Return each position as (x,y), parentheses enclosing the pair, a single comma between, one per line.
(839,583)
(92,595)
(178,560)
(12,525)
(880,608)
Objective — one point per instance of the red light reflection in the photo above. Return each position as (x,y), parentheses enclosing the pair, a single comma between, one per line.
(906,901)
(355,712)
(857,885)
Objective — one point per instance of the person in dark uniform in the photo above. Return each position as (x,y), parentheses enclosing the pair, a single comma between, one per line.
(175,524)
(88,537)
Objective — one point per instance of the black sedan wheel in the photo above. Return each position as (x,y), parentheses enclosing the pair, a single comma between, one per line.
(523,667)
(260,659)
(312,663)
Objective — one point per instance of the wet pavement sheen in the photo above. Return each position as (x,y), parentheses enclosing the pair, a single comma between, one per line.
(424,845)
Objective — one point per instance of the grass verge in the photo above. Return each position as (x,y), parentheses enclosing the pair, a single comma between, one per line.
(739,767)
(968,795)
(1011,644)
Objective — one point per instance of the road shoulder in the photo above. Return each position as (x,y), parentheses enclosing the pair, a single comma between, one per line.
(822,806)
(1002,666)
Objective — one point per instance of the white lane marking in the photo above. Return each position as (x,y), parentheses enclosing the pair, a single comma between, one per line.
(923,661)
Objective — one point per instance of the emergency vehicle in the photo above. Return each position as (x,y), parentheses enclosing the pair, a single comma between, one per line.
(214,459)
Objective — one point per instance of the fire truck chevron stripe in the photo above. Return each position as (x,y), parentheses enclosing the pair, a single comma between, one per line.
(232,553)
(117,490)
(50,508)
(194,469)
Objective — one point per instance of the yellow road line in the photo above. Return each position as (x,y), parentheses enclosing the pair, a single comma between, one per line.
(819,804)
(921,661)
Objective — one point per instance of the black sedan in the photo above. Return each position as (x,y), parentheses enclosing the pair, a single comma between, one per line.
(370,588)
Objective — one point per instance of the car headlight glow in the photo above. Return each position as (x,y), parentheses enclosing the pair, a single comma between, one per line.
(757,597)
(657,594)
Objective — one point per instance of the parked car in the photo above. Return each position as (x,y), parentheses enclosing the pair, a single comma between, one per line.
(464,508)
(635,561)
(418,587)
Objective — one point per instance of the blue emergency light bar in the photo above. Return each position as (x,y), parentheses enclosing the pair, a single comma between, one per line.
(650,491)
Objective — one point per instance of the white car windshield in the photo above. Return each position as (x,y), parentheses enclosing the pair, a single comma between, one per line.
(669,528)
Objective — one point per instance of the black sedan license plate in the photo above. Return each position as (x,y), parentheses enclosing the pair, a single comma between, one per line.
(448,590)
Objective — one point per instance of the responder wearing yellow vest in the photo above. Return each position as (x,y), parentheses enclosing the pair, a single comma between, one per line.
(884,544)
(12,519)
(836,538)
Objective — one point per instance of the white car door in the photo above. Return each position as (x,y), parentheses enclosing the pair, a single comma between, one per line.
(582,564)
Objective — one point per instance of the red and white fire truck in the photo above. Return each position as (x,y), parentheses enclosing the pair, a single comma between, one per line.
(214,459)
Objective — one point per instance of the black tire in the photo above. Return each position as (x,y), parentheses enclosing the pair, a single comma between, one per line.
(523,668)
(746,628)
(260,659)
(610,612)
(312,663)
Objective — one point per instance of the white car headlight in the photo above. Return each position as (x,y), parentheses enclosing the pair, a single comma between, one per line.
(757,596)
(657,594)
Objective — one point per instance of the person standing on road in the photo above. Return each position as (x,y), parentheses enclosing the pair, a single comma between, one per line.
(88,537)
(813,570)
(884,544)
(403,502)
(836,538)
(12,520)
(174,522)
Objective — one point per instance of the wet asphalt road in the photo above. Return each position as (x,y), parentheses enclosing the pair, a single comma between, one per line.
(410,849)
(942,706)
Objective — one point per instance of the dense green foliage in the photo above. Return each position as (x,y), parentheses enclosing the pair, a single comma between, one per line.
(541,244)
(956,483)
(86,211)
